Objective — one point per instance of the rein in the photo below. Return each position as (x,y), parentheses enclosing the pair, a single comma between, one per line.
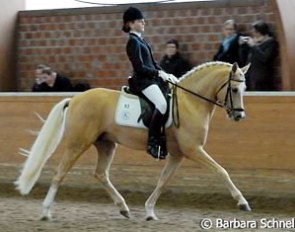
(198,95)
(228,95)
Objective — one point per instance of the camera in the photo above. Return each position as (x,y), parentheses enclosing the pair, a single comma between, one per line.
(244,39)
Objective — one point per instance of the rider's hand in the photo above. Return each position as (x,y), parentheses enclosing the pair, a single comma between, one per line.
(173,79)
(168,77)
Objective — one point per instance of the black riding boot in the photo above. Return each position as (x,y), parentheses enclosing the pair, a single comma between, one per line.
(156,144)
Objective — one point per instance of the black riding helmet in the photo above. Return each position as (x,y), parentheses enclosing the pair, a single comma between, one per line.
(129,15)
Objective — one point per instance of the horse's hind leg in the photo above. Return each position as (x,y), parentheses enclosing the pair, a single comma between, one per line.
(68,160)
(172,164)
(205,159)
(106,151)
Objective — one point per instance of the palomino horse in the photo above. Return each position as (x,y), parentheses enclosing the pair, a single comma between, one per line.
(88,118)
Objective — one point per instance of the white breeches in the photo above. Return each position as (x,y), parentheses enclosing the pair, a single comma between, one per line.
(155,95)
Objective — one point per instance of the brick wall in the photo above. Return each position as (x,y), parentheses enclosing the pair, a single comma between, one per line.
(87,44)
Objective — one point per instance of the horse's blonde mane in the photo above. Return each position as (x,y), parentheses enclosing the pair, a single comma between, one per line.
(202,66)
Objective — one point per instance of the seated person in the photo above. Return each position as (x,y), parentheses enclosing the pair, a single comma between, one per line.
(50,81)
(81,87)
(38,72)
(173,62)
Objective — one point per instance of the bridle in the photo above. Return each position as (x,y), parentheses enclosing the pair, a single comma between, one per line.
(228,97)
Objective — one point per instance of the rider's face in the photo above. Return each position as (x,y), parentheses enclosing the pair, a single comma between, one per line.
(137,25)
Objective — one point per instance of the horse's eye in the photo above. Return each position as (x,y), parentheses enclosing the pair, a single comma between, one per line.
(235,90)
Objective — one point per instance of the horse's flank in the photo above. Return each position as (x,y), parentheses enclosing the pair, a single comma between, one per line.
(93,114)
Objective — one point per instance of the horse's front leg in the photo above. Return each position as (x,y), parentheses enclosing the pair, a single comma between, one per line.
(172,164)
(202,156)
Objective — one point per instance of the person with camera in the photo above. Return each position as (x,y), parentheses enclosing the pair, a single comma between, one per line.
(261,50)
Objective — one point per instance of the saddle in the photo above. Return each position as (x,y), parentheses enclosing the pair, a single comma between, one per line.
(136,111)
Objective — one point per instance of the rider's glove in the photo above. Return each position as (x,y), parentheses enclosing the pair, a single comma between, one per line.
(168,77)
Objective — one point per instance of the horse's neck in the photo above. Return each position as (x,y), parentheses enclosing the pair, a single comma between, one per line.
(205,83)
(194,105)
(195,114)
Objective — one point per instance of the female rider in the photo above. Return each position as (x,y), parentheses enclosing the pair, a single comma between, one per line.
(148,79)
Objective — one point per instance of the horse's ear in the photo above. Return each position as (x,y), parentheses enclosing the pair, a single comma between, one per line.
(246,68)
(234,67)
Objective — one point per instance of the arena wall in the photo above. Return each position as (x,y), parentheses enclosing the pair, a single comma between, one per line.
(8,21)
(264,140)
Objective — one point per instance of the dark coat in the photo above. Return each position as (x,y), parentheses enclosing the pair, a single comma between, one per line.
(145,69)
(231,55)
(175,65)
(261,75)
(61,84)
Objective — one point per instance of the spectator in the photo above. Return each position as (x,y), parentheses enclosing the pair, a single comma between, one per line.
(81,87)
(229,48)
(38,73)
(50,81)
(261,51)
(172,62)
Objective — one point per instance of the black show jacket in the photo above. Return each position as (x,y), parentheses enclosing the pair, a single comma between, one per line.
(145,69)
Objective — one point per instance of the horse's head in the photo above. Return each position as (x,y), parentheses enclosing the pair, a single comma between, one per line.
(230,94)
(218,83)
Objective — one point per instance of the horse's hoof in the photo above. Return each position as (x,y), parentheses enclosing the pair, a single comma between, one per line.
(125,213)
(45,218)
(151,218)
(245,207)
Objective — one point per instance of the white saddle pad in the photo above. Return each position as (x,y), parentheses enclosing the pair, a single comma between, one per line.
(128,111)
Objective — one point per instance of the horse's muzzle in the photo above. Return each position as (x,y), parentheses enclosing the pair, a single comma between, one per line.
(238,117)
(236,114)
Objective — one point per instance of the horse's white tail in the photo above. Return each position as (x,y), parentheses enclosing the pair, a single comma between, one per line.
(47,141)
